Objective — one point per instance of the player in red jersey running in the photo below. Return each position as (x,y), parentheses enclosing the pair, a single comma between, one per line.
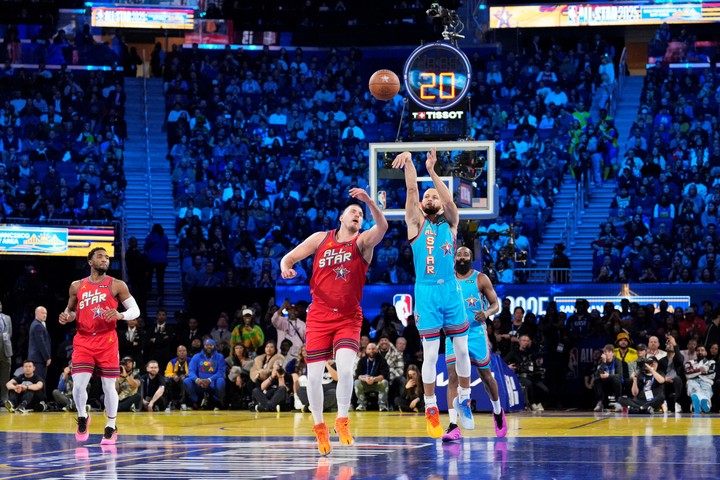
(93,303)
(334,318)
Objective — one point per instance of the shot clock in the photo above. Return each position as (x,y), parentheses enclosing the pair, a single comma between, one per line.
(437,76)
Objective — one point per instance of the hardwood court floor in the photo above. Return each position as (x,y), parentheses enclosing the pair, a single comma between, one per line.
(244,445)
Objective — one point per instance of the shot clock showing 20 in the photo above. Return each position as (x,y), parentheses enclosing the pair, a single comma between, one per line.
(437,76)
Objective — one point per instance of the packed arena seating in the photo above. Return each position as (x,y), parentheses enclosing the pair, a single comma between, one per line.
(61,145)
(663,220)
(246,131)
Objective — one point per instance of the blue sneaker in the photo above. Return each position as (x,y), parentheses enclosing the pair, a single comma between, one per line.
(465,415)
(696,404)
(705,405)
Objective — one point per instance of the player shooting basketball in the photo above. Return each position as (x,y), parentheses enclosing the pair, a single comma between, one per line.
(334,318)
(432,228)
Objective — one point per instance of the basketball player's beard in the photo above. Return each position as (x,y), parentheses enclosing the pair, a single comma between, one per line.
(431,210)
(462,267)
(100,270)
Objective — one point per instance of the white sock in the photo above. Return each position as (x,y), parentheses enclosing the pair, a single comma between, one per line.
(111,400)
(496,406)
(453,415)
(463,393)
(80,395)
(315,392)
(344,360)
(430,401)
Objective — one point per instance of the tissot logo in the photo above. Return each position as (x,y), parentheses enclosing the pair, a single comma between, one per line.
(449,115)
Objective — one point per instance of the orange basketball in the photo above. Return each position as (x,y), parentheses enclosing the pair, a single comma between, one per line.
(384,84)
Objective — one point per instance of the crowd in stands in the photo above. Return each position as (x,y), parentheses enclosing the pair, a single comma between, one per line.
(246,132)
(61,145)
(255,359)
(664,217)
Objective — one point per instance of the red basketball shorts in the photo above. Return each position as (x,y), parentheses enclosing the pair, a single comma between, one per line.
(328,331)
(98,354)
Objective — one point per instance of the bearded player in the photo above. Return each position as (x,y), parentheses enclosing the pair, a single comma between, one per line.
(334,317)
(432,229)
(93,304)
(481,301)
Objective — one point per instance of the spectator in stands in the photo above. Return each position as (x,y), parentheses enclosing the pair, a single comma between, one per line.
(248,333)
(289,326)
(372,374)
(156,248)
(128,387)
(239,385)
(701,376)
(175,373)
(608,380)
(154,399)
(25,391)
(206,376)
(221,331)
(262,367)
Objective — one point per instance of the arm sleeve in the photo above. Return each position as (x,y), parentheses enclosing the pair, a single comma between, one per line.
(132,311)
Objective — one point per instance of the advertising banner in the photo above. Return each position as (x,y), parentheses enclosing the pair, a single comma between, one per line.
(580,15)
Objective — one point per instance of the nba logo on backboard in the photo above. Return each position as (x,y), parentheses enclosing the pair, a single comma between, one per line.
(403,306)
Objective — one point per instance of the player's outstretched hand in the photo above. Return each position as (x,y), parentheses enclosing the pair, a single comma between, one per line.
(360,194)
(289,273)
(401,160)
(431,160)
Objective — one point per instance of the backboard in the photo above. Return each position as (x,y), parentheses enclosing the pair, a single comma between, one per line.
(467,168)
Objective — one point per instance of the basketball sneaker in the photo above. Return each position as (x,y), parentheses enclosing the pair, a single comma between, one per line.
(82,433)
(432,418)
(500,424)
(110,436)
(696,404)
(323,438)
(452,434)
(465,415)
(343,430)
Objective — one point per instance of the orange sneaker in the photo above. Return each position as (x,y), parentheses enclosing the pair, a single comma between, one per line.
(343,430)
(432,416)
(323,438)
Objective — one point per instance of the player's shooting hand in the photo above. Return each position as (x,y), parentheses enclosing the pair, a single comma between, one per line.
(431,160)
(401,160)
(360,194)
(288,273)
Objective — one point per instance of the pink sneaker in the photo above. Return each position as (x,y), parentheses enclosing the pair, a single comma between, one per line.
(82,433)
(109,436)
(500,424)
(453,435)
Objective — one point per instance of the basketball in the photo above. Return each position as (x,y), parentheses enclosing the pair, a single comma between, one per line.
(384,84)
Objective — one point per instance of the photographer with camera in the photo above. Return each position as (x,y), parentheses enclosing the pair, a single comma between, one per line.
(608,380)
(647,388)
(273,391)
(528,365)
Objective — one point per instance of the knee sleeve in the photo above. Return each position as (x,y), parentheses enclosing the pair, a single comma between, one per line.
(430,358)
(462,356)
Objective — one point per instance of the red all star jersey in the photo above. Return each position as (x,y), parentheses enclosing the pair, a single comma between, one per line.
(339,271)
(92,300)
